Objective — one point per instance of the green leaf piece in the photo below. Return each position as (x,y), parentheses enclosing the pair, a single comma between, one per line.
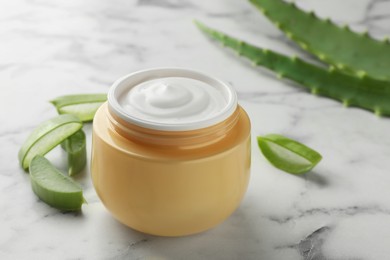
(364,91)
(75,146)
(53,187)
(339,46)
(288,155)
(83,105)
(46,136)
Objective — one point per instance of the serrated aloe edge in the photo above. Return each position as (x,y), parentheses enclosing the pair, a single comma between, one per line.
(352,52)
(363,91)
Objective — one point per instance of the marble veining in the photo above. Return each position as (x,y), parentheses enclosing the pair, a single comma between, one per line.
(339,211)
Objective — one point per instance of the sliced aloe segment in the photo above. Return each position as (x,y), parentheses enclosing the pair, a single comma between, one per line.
(85,112)
(53,187)
(77,152)
(47,136)
(288,155)
(84,105)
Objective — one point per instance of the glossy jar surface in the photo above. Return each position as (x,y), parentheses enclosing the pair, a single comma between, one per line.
(170,183)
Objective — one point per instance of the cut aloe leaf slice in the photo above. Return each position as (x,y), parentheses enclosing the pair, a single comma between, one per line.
(84,105)
(47,136)
(85,112)
(77,152)
(288,155)
(53,187)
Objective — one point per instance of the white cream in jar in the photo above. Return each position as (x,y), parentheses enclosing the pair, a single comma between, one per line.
(186,101)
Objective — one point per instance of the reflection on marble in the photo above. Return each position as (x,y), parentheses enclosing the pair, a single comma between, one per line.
(341,210)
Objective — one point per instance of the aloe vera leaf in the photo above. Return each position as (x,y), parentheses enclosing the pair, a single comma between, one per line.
(347,50)
(287,154)
(363,91)
(75,147)
(53,187)
(47,136)
(83,105)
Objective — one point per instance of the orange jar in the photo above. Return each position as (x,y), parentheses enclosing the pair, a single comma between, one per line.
(164,171)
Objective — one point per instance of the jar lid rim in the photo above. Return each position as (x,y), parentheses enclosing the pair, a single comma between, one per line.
(133,79)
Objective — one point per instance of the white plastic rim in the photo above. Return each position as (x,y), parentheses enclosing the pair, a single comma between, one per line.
(124,84)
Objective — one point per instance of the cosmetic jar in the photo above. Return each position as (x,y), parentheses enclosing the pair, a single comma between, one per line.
(171,151)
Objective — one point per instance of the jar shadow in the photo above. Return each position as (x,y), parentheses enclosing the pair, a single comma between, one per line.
(229,240)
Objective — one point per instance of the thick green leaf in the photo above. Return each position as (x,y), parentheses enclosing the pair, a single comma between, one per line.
(288,155)
(53,187)
(339,46)
(75,147)
(46,136)
(363,91)
(84,105)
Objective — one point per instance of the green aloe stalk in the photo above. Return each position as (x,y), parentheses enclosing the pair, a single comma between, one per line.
(363,91)
(346,50)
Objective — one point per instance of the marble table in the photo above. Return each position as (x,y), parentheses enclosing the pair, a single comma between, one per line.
(340,210)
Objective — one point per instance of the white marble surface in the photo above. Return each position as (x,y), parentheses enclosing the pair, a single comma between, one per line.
(51,47)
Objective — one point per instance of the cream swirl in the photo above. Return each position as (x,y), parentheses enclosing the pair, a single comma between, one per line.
(173,100)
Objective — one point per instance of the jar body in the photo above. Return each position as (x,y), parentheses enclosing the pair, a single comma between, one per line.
(170,191)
